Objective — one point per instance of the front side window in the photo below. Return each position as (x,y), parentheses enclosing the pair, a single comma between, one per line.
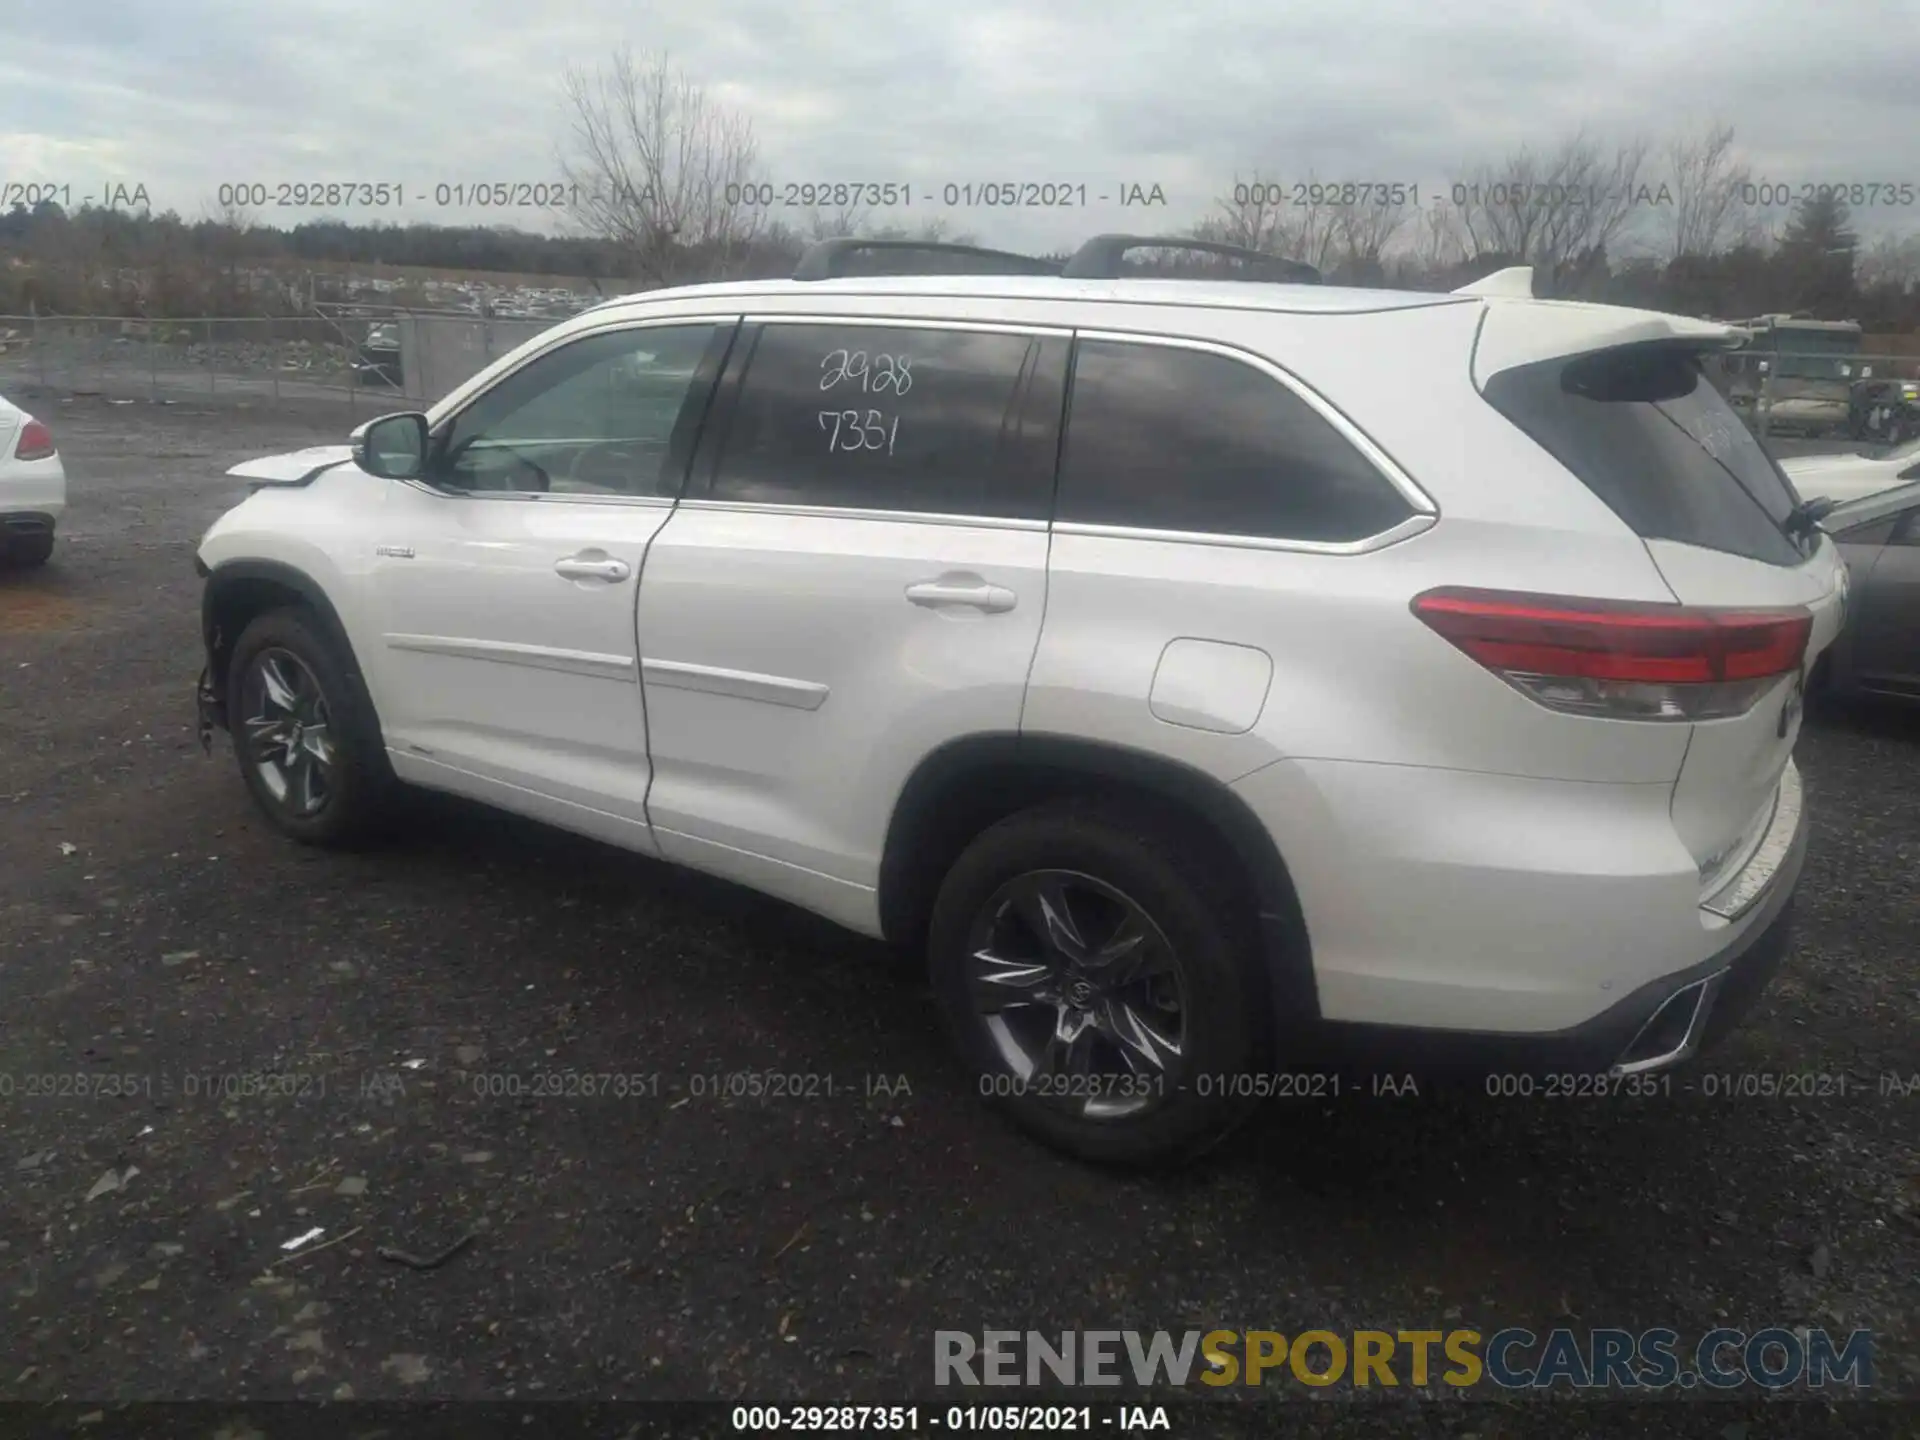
(924,421)
(596,417)
(1166,438)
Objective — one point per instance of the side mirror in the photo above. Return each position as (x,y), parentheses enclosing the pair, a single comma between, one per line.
(394,447)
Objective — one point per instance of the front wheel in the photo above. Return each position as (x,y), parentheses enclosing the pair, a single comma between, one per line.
(30,552)
(306,745)
(1101,982)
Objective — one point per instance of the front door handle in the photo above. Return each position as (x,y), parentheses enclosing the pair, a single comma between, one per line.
(952,591)
(593,565)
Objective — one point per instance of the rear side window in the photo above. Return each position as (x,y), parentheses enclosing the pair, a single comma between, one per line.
(1164,438)
(925,421)
(1647,433)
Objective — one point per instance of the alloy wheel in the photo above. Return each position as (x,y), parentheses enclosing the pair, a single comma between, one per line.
(1077,986)
(286,733)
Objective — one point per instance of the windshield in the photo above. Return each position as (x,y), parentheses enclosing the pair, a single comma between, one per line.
(1815,354)
(1900,454)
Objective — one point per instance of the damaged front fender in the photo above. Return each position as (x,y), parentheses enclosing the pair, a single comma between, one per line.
(213,709)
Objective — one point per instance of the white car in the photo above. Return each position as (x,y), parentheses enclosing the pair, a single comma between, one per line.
(1852,477)
(33,487)
(1216,680)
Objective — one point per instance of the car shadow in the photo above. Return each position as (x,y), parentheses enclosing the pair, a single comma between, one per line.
(1874,717)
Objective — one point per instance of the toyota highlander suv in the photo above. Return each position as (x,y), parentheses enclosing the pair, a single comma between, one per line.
(1211,678)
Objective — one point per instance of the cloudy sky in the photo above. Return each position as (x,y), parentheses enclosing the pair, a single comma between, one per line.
(185,95)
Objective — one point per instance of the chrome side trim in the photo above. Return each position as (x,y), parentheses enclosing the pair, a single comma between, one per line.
(643,502)
(1352,433)
(848,512)
(1406,529)
(740,684)
(538,657)
(1743,889)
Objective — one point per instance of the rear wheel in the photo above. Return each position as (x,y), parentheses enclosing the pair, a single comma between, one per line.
(1100,981)
(307,744)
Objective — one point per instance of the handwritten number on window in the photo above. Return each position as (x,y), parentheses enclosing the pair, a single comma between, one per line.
(878,375)
(857,430)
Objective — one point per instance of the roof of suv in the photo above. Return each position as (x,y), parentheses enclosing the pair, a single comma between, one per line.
(1219,294)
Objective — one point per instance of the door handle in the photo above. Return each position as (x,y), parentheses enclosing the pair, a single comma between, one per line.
(593,565)
(977,593)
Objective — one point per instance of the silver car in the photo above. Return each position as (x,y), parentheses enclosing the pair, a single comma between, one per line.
(1879,650)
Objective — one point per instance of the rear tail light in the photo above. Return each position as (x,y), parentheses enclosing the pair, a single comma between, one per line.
(1622,660)
(35,443)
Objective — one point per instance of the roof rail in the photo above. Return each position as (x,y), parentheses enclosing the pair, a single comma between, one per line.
(1100,257)
(822,259)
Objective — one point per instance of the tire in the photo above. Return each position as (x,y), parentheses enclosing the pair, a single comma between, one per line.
(351,800)
(1201,939)
(30,552)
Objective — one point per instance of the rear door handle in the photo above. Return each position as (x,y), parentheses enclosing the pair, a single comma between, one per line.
(593,565)
(975,593)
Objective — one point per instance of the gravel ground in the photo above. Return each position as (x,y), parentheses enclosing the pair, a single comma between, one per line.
(666,1243)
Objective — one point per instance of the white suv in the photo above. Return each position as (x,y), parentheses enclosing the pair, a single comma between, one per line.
(1214,678)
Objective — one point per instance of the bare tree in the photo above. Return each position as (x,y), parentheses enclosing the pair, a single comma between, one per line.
(1708,182)
(1892,260)
(1247,216)
(1558,212)
(1440,241)
(833,224)
(1315,230)
(660,169)
(935,230)
(1368,229)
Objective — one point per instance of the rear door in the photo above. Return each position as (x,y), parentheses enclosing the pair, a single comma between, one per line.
(1642,427)
(855,575)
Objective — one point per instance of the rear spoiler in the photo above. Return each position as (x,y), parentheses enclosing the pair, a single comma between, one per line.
(1515,280)
(1519,331)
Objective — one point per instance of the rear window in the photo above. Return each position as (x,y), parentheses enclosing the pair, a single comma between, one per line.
(1647,433)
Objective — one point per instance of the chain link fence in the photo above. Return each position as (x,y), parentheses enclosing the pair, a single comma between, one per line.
(367,364)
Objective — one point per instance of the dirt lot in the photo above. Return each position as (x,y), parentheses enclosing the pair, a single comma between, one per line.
(157,942)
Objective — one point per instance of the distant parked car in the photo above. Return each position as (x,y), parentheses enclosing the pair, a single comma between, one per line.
(1878,651)
(1853,477)
(379,362)
(33,487)
(1885,410)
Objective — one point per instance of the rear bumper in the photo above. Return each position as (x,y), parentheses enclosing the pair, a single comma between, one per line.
(1659,1026)
(33,488)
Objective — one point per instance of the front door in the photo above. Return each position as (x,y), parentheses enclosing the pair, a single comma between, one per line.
(506,580)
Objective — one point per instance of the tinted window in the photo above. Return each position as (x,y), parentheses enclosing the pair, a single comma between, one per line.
(1163,438)
(1647,434)
(596,417)
(886,418)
